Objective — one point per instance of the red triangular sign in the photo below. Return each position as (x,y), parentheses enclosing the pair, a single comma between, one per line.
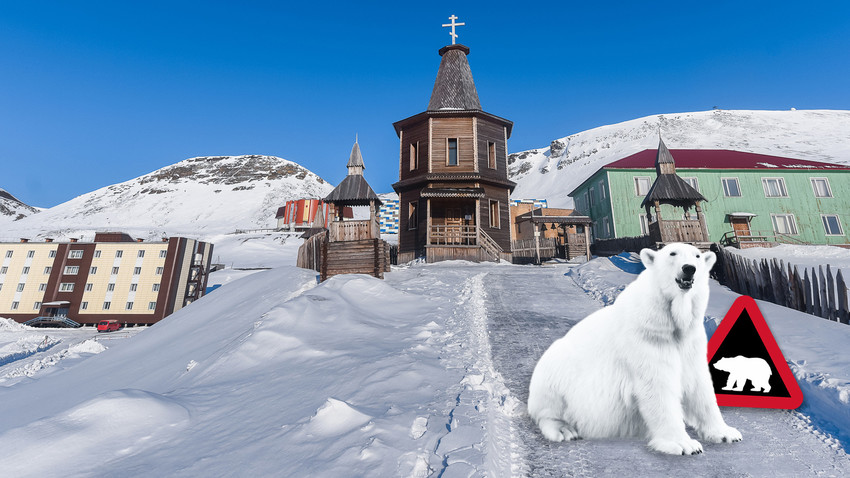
(747,367)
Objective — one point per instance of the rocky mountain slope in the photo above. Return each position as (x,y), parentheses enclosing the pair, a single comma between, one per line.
(551,173)
(12,209)
(198,196)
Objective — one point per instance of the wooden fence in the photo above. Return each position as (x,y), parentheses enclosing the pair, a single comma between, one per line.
(525,250)
(814,291)
(612,247)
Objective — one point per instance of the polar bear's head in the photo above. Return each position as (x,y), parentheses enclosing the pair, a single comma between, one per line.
(724,364)
(677,267)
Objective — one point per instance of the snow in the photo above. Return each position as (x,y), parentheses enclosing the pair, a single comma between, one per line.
(422,374)
(553,172)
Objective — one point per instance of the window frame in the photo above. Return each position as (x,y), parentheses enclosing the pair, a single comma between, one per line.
(75,254)
(66,286)
(695,179)
(491,155)
(837,223)
(724,184)
(637,180)
(412,215)
(497,221)
(71,270)
(413,155)
(826,182)
(449,142)
(793,224)
(783,189)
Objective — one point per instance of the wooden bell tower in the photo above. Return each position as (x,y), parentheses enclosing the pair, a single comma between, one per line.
(453,181)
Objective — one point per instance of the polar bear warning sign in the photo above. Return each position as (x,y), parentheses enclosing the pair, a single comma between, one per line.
(746,365)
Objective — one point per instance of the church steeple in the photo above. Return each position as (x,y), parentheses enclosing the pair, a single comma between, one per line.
(664,163)
(454,88)
(355,161)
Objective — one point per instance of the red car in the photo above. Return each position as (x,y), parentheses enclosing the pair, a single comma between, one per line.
(108,326)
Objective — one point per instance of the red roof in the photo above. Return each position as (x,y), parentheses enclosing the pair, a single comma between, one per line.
(719,159)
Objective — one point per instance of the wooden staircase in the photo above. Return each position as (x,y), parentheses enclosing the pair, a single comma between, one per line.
(489,245)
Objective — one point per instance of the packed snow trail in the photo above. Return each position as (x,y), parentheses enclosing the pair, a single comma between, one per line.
(530,307)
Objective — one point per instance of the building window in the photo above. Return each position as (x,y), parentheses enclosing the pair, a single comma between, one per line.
(71,270)
(48,270)
(106,305)
(644,225)
(137,270)
(66,287)
(8,253)
(21,287)
(141,253)
(93,270)
(159,271)
(821,188)
(30,254)
(75,254)
(84,305)
(97,254)
(494,214)
(731,187)
(606,226)
(601,190)
(784,223)
(4,269)
(129,306)
(114,270)
(591,196)
(42,287)
(642,184)
(110,287)
(451,152)
(163,253)
(36,306)
(133,287)
(119,253)
(692,182)
(14,306)
(774,187)
(831,225)
(491,154)
(89,287)
(412,217)
(155,288)
(414,155)
(26,270)
(151,305)
(51,254)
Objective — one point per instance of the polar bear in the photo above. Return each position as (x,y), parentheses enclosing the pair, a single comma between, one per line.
(638,367)
(741,369)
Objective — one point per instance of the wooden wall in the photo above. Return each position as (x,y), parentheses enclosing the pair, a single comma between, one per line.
(490,131)
(460,128)
(412,134)
(502,235)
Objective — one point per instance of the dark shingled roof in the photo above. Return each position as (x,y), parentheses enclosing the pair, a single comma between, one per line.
(353,191)
(452,193)
(356,159)
(454,88)
(671,189)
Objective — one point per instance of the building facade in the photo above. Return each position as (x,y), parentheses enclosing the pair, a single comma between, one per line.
(453,185)
(745,193)
(113,277)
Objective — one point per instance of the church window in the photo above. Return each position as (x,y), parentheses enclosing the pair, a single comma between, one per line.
(414,155)
(452,152)
(494,214)
(412,218)
(491,154)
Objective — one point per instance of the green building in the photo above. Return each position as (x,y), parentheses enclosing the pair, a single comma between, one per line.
(748,197)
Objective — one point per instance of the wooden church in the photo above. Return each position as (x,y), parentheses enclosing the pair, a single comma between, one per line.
(453,180)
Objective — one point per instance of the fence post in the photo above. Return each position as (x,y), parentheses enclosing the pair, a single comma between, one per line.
(807,291)
(843,312)
(830,294)
(822,292)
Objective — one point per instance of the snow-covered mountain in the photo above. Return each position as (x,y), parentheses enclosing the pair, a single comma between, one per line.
(200,196)
(12,209)
(551,173)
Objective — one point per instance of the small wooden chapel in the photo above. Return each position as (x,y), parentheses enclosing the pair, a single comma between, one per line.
(453,181)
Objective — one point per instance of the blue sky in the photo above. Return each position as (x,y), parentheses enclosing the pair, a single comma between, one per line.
(95,93)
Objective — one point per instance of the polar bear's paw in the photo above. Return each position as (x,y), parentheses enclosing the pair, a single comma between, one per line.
(685,446)
(723,434)
(557,430)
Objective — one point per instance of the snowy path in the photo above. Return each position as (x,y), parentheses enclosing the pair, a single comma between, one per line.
(528,308)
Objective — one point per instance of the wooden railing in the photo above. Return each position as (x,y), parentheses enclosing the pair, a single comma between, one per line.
(488,244)
(454,235)
(353,230)
(676,231)
(757,238)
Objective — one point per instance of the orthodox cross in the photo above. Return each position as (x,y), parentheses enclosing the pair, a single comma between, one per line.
(453,25)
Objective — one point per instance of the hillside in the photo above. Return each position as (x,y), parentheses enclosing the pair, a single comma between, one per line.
(552,172)
(12,209)
(199,197)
